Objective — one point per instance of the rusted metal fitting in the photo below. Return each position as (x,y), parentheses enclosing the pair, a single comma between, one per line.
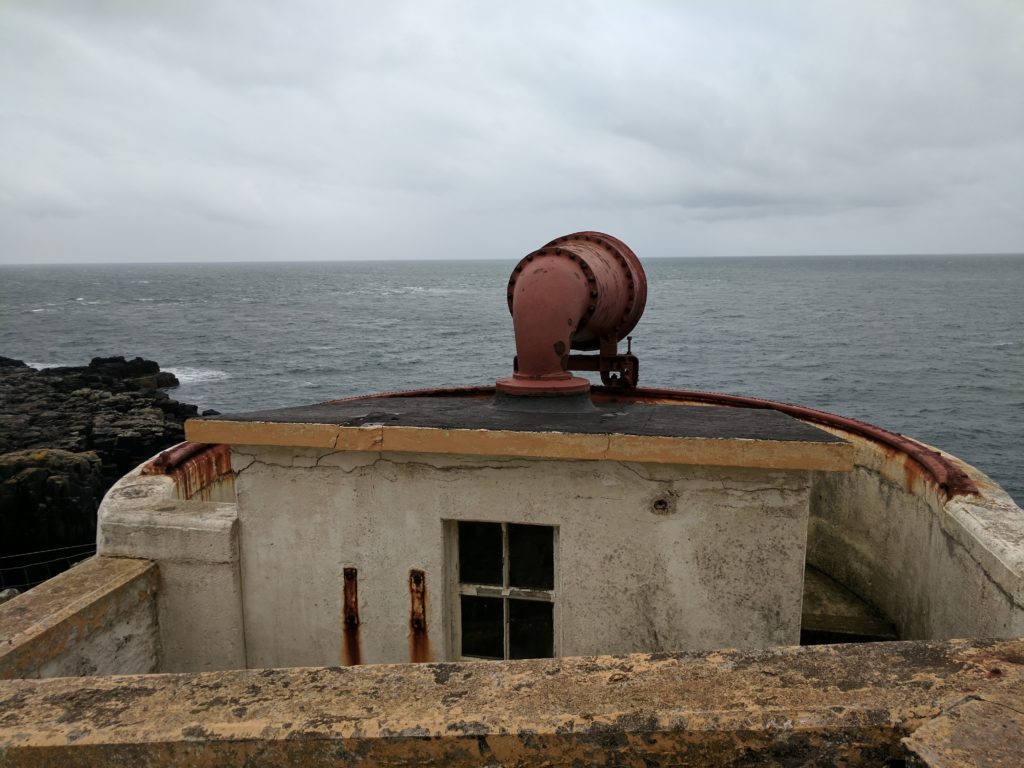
(584,291)
(351,651)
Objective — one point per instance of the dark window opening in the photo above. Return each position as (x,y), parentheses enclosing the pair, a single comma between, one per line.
(483,627)
(505,584)
(480,553)
(531,557)
(531,629)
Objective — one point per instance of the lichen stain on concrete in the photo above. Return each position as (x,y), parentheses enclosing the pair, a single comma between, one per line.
(976,732)
(779,706)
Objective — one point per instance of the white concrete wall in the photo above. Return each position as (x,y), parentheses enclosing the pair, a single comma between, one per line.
(936,568)
(722,567)
(195,545)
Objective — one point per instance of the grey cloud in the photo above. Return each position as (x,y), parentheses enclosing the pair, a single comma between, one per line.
(260,130)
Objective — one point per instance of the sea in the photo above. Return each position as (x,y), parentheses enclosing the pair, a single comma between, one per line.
(929,346)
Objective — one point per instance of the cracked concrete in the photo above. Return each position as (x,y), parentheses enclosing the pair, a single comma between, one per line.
(772,448)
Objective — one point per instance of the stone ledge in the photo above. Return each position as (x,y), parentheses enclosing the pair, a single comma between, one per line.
(187,531)
(62,613)
(850,705)
(976,732)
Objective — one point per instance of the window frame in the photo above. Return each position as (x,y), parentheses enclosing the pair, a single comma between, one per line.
(456,589)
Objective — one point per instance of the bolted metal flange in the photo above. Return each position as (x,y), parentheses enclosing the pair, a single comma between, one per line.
(584,291)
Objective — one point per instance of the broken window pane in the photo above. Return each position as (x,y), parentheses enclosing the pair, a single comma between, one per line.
(480,553)
(531,631)
(483,627)
(531,555)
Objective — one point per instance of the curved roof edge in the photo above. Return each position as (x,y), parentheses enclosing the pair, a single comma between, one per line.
(949,477)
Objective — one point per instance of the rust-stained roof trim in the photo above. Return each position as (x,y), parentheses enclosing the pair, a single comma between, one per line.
(947,475)
(193,466)
(165,462)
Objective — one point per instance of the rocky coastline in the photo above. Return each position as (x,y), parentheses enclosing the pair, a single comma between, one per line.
(66,435)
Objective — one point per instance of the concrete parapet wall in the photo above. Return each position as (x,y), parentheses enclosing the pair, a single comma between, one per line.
(195,544)
(871,705)
(937,566)
(98,618)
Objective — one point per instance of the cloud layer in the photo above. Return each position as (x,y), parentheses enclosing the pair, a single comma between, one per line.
(316,130)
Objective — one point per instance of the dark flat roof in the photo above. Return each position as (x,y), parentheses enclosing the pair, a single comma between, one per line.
(648,420)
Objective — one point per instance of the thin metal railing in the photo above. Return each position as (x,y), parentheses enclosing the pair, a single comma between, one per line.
(25,570)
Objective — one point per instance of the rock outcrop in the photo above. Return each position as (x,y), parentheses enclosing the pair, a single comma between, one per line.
(48,498)
(66,435)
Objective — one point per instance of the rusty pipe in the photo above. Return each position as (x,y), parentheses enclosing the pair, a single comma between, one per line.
(582,291)
(551,297)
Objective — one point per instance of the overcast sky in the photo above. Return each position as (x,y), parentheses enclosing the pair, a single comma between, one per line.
(145,131)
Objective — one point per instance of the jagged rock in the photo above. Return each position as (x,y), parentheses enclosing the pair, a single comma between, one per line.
(48,499)
(67,434)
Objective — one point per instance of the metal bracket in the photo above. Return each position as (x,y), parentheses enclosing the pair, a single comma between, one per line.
(618,371)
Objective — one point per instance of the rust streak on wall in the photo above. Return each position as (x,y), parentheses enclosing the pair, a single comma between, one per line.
(194,467)
(419,641)
(351,651)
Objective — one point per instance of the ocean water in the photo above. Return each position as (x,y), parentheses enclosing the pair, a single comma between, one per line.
(932,347)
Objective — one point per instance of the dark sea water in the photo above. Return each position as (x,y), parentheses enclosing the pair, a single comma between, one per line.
(929,346)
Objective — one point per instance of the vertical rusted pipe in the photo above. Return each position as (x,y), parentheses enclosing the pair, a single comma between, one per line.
(351,653)
(419,642)
(551,297)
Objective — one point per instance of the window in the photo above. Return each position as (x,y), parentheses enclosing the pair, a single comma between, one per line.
(504,590)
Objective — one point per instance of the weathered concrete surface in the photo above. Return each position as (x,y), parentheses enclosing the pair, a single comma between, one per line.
(704,436)
(936,567)
(827,705)
(976,732)
(649,557)
(195,544)
(99,618)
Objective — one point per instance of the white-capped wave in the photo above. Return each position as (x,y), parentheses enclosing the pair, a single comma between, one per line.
(189,375)
(38,366)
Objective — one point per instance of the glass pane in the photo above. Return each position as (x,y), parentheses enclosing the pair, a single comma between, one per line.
(531,556)
(482,627)
(480,553)
(531,629)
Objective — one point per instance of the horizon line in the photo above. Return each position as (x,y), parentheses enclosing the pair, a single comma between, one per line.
(501,258)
